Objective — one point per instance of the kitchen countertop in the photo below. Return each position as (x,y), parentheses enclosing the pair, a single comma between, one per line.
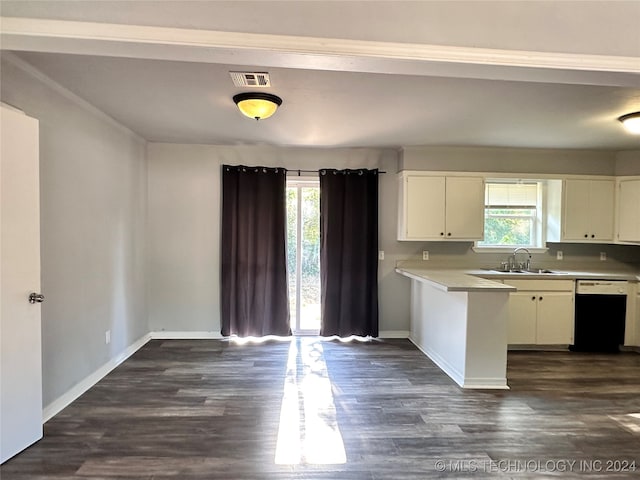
(454,280)
(480,280)
(561,275)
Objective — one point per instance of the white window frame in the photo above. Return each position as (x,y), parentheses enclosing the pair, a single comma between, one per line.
(539,225)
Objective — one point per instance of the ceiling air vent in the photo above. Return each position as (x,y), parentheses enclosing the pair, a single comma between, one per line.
(250,79)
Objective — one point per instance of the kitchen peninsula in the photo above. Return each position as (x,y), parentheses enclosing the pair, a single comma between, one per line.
(460,322)
(464,319)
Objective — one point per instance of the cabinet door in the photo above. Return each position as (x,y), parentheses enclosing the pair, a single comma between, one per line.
(601,208)
(555,318)
(465,208)
(424,207)
(522,318)
(637,322)
(628,211)
(576,210)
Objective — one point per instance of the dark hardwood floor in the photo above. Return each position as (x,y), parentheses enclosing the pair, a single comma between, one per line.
(311,409)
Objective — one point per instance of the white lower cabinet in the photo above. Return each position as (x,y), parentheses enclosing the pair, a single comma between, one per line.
(523,313)
(541,312)
(555,318)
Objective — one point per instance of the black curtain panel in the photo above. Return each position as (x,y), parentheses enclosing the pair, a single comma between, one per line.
(349,252)
(253,252)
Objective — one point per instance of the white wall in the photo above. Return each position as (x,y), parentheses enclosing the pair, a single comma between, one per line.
(515,160)
(628,163)
(184,220)
(93,209)
(184,228)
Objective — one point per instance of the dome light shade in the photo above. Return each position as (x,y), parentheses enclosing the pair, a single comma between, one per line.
(257,105)
(631,122)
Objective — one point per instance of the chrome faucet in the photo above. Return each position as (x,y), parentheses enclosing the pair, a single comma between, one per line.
(512,259)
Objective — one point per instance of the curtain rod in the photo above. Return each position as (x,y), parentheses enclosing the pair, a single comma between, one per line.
(293,170)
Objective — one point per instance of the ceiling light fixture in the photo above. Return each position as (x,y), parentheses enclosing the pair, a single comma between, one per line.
(257,105)
(631,122)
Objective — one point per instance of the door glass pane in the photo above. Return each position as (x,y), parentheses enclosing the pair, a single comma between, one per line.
(292,249)
(310,252)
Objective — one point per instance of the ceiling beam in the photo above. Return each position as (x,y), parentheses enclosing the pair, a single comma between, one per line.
(312,53)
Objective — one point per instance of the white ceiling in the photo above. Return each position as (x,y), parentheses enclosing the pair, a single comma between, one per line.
(383,74)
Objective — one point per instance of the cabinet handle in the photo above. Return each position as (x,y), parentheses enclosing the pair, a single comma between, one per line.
(593,236)
(533,298)
(36,298)
(586,235)
(449,234)
(540,298)
(442,233)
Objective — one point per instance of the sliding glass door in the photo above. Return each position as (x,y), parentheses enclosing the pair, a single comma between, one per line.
(303,254)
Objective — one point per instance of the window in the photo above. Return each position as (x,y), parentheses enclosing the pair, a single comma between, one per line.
(512,214)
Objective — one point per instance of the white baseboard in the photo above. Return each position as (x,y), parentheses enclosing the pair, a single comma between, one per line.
(455,374)
(85,384)
(393,334)
(484,383)
(178,335)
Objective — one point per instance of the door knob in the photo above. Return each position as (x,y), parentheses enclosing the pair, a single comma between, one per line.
(36,297)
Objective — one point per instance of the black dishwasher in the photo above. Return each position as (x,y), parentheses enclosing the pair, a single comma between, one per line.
(600,312)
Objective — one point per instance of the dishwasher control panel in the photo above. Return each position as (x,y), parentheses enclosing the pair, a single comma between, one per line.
(601,287)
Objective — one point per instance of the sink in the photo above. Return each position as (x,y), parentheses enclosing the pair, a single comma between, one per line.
(533,271)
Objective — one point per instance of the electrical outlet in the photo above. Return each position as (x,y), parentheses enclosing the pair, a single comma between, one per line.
(559,255)
(107,337)
(603,256)
(381,255)
(425,255)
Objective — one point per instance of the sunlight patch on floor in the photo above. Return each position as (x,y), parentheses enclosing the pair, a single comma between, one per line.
(352,338)
(630,421)
(308,431)
(257,340)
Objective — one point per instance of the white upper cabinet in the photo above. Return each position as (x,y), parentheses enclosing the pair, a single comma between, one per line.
(628,210)
(424,207)
(465,208)
(588,207)
(438,207)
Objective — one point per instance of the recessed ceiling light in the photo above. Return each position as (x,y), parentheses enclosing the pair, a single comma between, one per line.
(631,122)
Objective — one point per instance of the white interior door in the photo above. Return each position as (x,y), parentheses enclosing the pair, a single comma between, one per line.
(20,348)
